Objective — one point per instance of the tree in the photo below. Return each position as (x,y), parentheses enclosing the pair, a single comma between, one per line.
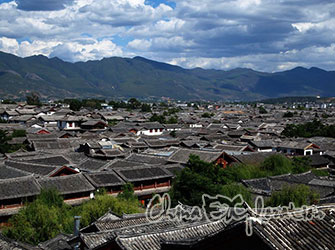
(198,178)
(157,118)
(19,133)
(4,138)
(8,101)
(134,103)
(41,220)
(288,114)
(172,120)
(48,215)
(277,164)
(127,192)
(75,104)
(298,194)
(33,99)
(262,110)
(207,115)
(145,107)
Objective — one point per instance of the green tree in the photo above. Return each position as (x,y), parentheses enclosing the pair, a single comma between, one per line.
(19,133)
(198,178)
(134,103)
(298,194)
(41,220)
(157,118)
(207,115)
(145,107)
(75,104)
(8,101)
(262,110)
(4,138)
(127,192)
(48,215)
(277,164)
(33,99)
(172,120)
(288,114)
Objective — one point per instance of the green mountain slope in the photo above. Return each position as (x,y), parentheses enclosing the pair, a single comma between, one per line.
(140,77)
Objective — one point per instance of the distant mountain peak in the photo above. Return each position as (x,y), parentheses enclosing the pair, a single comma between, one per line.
(142,78)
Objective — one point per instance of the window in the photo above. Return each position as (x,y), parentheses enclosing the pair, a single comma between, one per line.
(156,130)
(70,124)
(151,131)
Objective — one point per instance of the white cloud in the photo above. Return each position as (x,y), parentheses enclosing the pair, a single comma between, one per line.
(263,34)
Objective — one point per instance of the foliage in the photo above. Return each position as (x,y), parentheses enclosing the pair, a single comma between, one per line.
(48,215)
(133,103)
(298,194)
(272,165)
(207,115)
(309,129)
(145,107)
(157,118)
(40,220)
(173,133)
(262,110)
(288,114)
(127,192)
(320,172)
(198,178)
(75,104)
(276,165)
(4,138)
(172,120)
(8,101)
(19,133)
(33,99)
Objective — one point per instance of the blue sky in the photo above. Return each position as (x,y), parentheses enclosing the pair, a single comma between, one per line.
(265,35)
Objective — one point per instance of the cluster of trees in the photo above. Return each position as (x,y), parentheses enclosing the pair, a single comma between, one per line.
(309,129)
(207,115)
(5,137)
(76,104)
(262,110)
(33,99)
(163,119)
(200,177)
(131,104)
(168,116)
(48,215)
(289,114)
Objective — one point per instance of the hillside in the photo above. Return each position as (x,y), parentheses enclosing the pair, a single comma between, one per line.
(141,78)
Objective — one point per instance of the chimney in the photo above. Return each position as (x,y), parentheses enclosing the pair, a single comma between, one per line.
(76,230)
(76,225)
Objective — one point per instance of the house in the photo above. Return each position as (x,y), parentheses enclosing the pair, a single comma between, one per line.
(297,148)
(146,179)
(74,188)
(150,128)
(8,114)
(182,156)
(263,145)
(108,180)
(71,122)
(94,125)
(15,191)
(49,120)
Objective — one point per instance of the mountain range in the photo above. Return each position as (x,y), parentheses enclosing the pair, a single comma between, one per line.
(142,78)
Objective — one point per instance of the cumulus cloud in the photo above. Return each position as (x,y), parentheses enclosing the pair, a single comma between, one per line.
(79,50)
(265,35)
(42,5)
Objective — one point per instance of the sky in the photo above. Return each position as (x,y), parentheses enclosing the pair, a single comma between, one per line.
(264,35)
